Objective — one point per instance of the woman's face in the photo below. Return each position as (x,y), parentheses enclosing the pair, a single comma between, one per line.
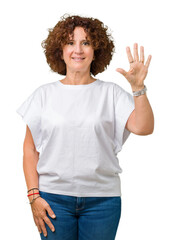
(78,52)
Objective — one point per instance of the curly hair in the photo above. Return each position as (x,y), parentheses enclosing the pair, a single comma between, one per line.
(102,42)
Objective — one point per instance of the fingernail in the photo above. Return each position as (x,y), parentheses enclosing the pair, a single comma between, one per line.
(53,216)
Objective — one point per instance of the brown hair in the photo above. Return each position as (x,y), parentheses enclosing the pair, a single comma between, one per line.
(102,42)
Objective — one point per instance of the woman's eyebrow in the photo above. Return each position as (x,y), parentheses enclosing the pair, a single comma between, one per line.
(81,40)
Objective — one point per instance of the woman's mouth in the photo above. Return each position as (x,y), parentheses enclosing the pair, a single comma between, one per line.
(78,59)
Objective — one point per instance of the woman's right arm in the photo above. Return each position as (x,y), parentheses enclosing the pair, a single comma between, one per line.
(39,206)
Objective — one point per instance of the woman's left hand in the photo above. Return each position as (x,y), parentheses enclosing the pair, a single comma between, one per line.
(138,70)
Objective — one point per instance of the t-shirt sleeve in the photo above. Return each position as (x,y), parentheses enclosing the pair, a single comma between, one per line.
(124,105)
(30,111)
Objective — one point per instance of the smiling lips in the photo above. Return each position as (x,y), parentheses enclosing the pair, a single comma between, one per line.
(77,59)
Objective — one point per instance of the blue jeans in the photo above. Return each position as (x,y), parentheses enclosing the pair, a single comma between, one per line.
(83,218)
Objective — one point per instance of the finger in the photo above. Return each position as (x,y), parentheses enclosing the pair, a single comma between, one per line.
(142,58)
(122,71)
(129,55)
(135,51)
(37,224)
(42,225)
(148,61)
(48,222)
(50,211)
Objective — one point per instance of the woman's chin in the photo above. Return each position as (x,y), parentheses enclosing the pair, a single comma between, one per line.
(79,69)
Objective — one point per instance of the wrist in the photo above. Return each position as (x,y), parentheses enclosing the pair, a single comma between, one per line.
(32,194)
(31,190)
(140,92)
(137,88)
(34,199)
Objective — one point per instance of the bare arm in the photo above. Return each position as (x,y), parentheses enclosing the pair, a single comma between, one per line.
(30,160)
(39,206)
(141,120)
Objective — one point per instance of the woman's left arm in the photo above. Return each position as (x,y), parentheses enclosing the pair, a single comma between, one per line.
(141,120)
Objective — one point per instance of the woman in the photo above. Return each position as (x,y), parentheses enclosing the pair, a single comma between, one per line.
(75,128)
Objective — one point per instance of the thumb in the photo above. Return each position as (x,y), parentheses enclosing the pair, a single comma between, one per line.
(50,211)
(122,71)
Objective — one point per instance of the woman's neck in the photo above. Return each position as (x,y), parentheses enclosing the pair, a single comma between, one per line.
(76,78)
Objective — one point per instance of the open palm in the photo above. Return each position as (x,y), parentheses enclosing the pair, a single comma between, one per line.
(138,70)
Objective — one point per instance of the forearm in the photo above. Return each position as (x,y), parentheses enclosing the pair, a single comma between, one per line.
(30,160)
(144,118)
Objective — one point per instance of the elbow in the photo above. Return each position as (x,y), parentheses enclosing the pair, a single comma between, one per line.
(149,133)
(146,132)
(146,129)
(151,130)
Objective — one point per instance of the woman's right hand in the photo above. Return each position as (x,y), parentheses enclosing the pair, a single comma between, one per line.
(39,208)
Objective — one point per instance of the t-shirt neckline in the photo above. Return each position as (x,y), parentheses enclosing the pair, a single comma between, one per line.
(71,86)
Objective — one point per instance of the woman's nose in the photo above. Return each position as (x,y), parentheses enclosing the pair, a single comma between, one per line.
(78,48)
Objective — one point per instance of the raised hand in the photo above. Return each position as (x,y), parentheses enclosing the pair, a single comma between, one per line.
(138,70)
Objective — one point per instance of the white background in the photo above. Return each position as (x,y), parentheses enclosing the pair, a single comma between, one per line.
(145,160)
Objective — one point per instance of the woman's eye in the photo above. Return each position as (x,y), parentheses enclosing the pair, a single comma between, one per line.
(86,43)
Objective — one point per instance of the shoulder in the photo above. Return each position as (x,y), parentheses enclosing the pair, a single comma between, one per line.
(40,93)
(106,84)
(44,88)
(110,84)
(117,89)
(120,95)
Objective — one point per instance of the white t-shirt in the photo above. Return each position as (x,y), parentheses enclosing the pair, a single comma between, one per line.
(78,131)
